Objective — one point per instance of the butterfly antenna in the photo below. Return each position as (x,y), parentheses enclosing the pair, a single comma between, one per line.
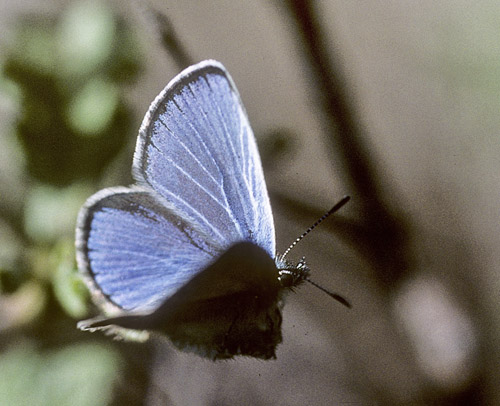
(337,297)
(335,208)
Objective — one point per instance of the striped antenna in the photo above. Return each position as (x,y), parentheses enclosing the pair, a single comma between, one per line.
(335,208)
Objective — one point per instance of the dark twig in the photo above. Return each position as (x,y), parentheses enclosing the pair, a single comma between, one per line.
(164,30)
(171,41)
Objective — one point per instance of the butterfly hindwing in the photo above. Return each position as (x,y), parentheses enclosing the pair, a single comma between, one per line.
(135,251)
(232,307)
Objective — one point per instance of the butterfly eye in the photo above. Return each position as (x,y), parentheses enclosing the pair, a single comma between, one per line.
(286,279)
(293,275)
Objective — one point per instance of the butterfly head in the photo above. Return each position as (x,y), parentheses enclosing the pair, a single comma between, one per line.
(291,275)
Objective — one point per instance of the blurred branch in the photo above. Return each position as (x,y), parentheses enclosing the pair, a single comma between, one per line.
(380,235)
(171,42)
(14,218)
(164,30)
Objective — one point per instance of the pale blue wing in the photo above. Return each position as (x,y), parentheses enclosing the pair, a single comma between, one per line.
(135,251)
(197,150)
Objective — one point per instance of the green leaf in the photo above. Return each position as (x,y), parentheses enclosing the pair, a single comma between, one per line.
(93,107)
(78,375)
(86,35)
(69,289)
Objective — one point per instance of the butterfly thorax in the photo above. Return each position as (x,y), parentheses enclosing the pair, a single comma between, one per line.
(290,274)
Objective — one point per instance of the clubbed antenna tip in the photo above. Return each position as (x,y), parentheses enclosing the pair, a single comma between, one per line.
(337,297)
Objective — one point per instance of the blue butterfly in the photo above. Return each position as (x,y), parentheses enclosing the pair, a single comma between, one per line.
(188,250)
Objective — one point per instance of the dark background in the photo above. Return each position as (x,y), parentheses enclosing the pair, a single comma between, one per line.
(394,103)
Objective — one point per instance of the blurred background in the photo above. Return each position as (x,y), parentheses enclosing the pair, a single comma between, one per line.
(394,103)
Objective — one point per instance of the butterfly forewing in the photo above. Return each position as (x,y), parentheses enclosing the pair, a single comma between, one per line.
(197,150)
